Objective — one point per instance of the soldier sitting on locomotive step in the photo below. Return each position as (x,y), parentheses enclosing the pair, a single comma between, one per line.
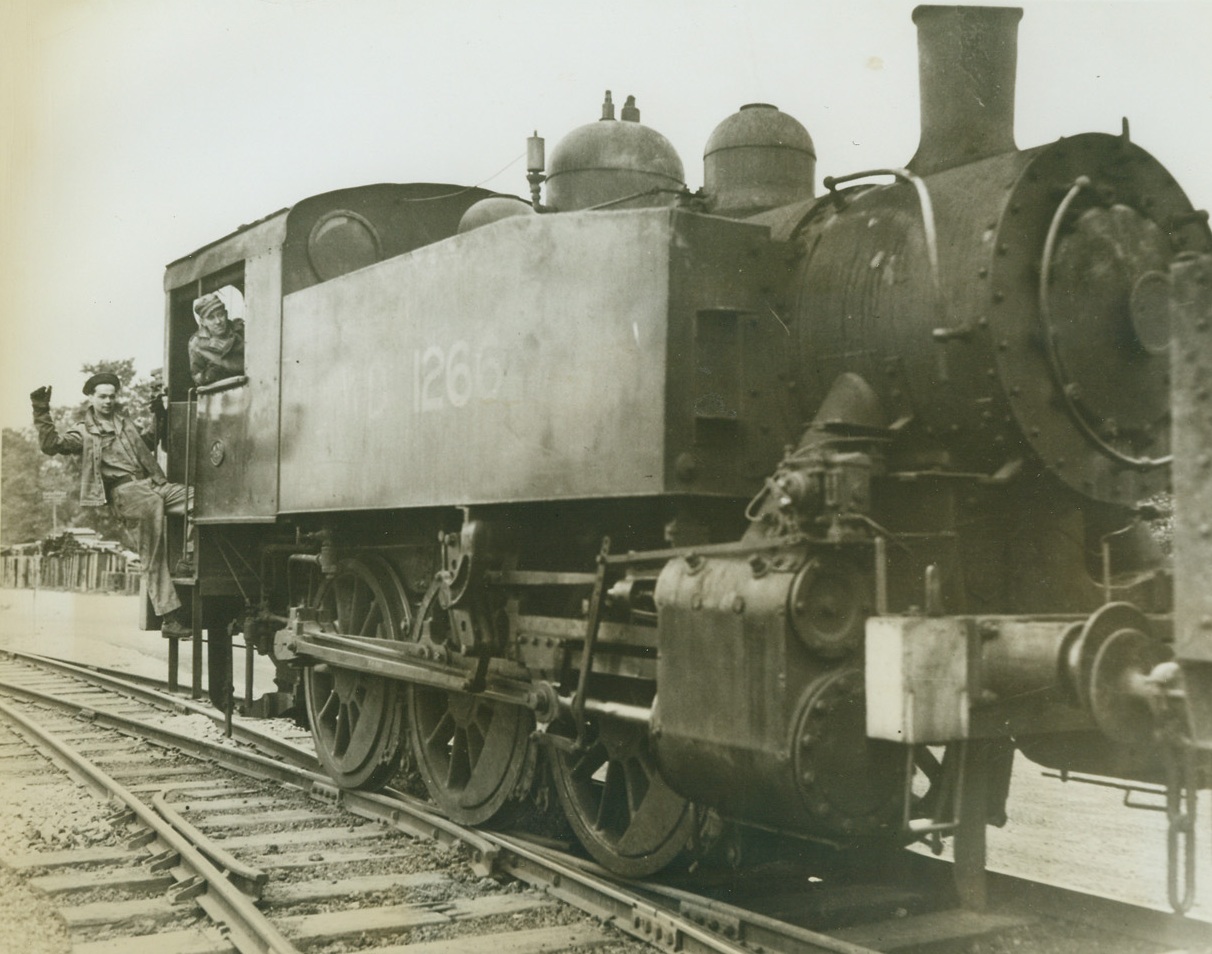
(118,468)
(216,349)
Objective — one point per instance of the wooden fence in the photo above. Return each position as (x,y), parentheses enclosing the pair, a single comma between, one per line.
(84,571)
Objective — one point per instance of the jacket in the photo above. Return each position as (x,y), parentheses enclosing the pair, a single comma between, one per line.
(213,359)
(84,438)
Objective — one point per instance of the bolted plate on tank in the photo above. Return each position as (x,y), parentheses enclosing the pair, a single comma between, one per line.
(1086,366)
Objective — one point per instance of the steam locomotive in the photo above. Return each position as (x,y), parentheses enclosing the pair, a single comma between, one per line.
(745,506)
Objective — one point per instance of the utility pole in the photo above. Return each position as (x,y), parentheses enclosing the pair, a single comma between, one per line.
(54,498)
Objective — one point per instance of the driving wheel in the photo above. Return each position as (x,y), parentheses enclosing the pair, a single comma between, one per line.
(475,754)
(356,718)
(622,811)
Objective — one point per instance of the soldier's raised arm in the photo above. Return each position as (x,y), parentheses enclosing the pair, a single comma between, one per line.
(49,438)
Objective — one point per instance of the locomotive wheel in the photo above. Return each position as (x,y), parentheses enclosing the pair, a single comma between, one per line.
(622,811)
(474,754)
(356,718)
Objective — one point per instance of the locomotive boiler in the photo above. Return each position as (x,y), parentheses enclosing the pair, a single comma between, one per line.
(739,509)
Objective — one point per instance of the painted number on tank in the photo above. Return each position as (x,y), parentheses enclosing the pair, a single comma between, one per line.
(454,376)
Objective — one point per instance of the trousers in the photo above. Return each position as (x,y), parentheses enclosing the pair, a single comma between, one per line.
(142,504)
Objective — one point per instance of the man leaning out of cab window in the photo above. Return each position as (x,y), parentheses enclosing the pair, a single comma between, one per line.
(216,349)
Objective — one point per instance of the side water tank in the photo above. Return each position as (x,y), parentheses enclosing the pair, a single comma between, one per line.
(624,164)
(757,159)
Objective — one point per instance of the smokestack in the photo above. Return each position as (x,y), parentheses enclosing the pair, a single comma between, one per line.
(966,66)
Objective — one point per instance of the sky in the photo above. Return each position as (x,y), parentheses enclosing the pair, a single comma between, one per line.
(135,131)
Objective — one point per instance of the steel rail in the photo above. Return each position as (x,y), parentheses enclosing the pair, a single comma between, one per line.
(1036,898)
(614,901)
(251,881)
(674,930)
(248,929)
(164,699)
(750,928)
(407,817)
(694,928)
(1133,920)
(490,851)
(233,759)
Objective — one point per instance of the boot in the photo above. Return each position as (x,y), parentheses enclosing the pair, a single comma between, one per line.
(173,626)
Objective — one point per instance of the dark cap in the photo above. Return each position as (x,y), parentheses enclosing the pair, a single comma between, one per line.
(102,377)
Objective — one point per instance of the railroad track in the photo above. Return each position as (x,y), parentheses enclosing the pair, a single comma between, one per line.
(201,843)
